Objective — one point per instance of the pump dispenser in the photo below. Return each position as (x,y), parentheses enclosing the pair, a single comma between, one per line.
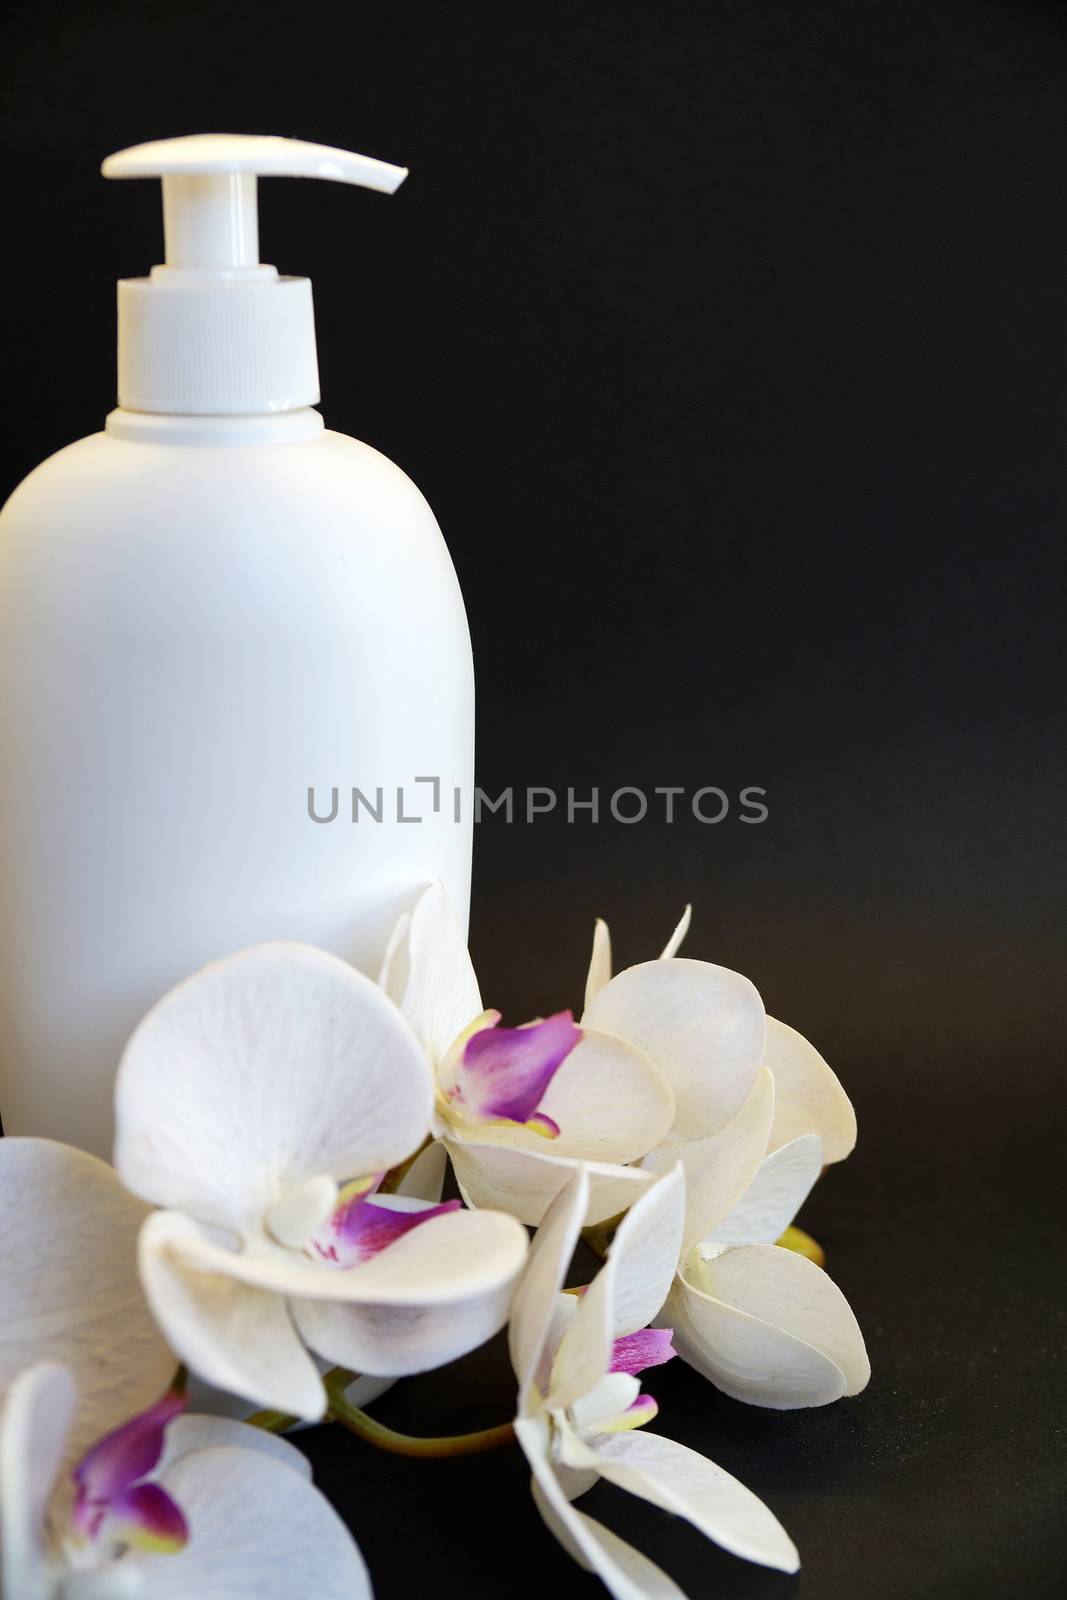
(236,690)
(214,330)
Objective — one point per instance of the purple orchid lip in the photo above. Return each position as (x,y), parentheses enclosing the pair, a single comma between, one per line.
(362,1226)
(643,1410)
(146,1517)
(543,1125)
(504,1073)
(649,1347)
(110,1489)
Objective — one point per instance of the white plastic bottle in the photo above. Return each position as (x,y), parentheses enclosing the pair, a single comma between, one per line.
(207,610)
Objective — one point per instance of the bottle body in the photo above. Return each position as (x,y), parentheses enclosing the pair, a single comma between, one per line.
(212,630)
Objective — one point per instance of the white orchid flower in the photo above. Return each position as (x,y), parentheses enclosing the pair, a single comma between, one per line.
(163,1508)
(808,1095)
(664,1050)
(244,1101)
(69,1289)
(764,1324)
(581,1410)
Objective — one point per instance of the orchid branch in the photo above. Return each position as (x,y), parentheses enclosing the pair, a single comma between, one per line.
(271,1421)
(406,1444)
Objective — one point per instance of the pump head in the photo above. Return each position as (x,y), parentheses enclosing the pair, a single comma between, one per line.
(213,329)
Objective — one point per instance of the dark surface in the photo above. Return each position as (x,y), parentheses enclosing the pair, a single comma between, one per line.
(728,342)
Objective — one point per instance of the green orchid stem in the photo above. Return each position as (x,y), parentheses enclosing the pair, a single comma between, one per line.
(406,1444)
(271,1421)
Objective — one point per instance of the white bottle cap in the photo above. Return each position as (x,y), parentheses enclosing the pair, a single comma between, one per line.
(214,331)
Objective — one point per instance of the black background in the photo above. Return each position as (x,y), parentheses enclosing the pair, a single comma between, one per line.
(727,341)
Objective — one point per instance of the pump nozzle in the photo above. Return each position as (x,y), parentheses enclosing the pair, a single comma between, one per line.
(209,188)
(214,329)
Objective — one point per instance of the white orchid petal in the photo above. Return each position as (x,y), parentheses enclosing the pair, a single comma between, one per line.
(561,1530)
(782,1183)
(627,1574)
(425,1178)
(792,1293)
(563,1314)
(608,1399)
(644,1254)
(674,943)
(395,1340)
(567,1446)
(436,1293)
(719,1170)
(275,1065)
(626,1293)
(680,1480)
(538,1294)
(748,1359)
(608,1100)
(230,1333)
(525,1182)
(448,1259)
(574,1481)
(584,1355)
(599,961)
(437,990)
(808,1096)
(702,1025)
(767,1360)
(35,1425)
(197,1431)
(301,1211)
(259,1533)
(68,1279)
